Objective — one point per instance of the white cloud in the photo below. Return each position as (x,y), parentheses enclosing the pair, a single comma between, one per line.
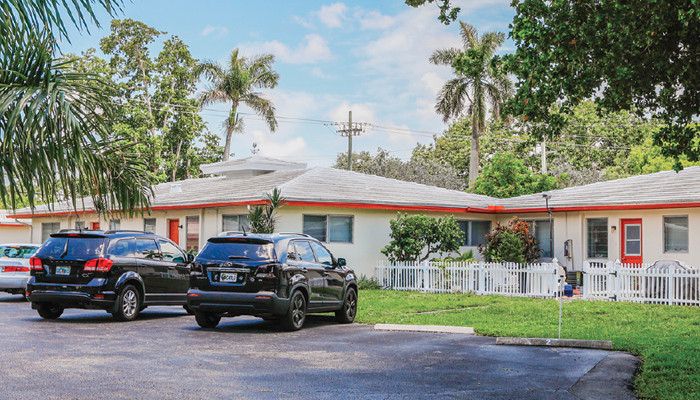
(374,20)
(332,16)
(219,31)
(318,72)
(271,147)
(301,21)
(360,112)
(315,49)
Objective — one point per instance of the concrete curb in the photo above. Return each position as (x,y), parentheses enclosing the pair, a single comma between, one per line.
(425,328)
(584,344)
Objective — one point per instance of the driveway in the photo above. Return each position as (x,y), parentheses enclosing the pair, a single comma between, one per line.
(164,354)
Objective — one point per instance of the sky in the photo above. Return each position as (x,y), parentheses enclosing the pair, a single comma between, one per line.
(371,57)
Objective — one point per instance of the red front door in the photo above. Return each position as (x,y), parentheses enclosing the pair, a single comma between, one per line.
(174,230)
(631,240)
(95,226)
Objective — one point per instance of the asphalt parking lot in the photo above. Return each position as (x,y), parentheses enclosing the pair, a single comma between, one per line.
(164,355)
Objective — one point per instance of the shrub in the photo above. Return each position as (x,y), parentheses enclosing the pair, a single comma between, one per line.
(415,238)
(511,243)
(367,283)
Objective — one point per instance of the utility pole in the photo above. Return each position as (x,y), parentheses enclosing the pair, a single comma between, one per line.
(350,131)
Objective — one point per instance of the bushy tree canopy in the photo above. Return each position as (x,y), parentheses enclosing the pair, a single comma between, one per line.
(416,237)
(506,176)
(510,243)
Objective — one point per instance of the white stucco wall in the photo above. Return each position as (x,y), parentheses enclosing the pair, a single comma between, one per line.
(15,234)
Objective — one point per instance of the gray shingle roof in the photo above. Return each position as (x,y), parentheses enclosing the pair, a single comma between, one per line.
(665,187)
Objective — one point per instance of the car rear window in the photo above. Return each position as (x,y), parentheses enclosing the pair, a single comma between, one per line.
(72,247)
(10,251)
(229,250)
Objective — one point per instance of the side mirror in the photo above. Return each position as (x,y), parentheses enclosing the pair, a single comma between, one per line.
(190,258)
(342,262)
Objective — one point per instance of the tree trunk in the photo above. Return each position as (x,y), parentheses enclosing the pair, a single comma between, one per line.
(177,157)
(474,153)
(145,87)
(229,130)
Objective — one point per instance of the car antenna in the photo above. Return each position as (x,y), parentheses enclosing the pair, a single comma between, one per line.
(244,234)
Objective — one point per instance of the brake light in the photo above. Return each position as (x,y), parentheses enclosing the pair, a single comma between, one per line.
(36,264)
(16,269)
(98,265)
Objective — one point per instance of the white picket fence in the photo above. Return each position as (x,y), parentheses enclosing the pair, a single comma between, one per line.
(508,279)
(616,281)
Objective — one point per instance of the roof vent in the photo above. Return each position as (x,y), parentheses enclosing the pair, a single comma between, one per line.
(175,188)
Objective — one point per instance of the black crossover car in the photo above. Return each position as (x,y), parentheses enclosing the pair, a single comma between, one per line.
(273,276)
(122,272)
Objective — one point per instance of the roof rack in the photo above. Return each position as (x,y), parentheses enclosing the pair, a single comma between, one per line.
(112,231)
(227,233)
(294,233)
(66,230)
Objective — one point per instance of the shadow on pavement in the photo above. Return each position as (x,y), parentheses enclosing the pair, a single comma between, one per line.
(258,325)
(13,299)
(106,317)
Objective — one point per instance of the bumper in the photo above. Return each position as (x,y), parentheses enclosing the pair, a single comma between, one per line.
(71,296)
(13,283)
(259,304)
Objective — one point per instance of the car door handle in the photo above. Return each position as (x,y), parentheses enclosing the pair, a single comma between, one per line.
(304,270)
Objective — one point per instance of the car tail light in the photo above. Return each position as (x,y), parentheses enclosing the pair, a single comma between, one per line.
(16,269)
(266,271)
(36,264)
(98,265)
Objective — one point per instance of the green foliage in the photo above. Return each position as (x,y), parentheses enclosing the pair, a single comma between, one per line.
(480,80)
(645,159)
(639,56)
(447,12)
(506,176)
(238,83)
(664,337)
(467,256)
(510,243)
(262,219)
(368,283)
(55,138)
(449,149)
(417,169)
(416,237)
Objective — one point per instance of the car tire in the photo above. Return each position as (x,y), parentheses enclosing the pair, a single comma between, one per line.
(346,315)
(188,309)
(206,319)
(128,304)
(296,314)
(50,310)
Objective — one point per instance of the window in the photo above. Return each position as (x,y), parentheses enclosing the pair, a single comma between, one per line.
(235,223)
(47,228)
(322,255)
(676,234)
(149,225)
(114,224)
(147,248)
(329,228)
(122,248)
(170,252)
(80,225)
(597,237)
(474,232)
(304,251)
(192,233)
(540,230)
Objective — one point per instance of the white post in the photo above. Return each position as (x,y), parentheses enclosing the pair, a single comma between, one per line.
(616,274)
(426,276)
(555,263)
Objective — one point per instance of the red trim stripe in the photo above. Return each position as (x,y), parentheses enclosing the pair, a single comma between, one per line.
(14,225)
(488,210)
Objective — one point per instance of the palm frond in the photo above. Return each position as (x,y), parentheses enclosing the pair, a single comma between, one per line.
(452,98)
(469,34)
(444,56)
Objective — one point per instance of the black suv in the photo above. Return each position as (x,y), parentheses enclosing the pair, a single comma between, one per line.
(122,272)
(273,276)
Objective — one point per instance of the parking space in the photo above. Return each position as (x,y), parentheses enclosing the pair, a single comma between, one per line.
(164,354)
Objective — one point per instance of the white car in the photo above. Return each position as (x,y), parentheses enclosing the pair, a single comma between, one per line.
(14,266)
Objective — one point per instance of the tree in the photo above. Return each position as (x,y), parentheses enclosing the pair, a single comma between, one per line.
(480,80)
(417,170)
(506,176)
(55,141)
(416,237)
(262,219)
(447,12)
(645,159)
(640,56)
(236,84)
(450,149)
(510,243)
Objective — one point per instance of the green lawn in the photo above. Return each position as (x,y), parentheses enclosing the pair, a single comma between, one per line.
(666,338)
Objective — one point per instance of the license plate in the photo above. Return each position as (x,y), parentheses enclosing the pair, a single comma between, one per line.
(62,270)
(228,277)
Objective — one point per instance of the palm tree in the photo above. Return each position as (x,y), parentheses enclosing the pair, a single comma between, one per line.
(237,85)
(480,81)
(55,138)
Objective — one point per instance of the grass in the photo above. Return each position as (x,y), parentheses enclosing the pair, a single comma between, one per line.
(666,338)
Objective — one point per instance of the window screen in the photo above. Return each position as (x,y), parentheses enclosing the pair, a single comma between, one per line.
(597,230)
(340,229)
(47,228)
(315,226)
(676,234)
(149,225)
(193,233)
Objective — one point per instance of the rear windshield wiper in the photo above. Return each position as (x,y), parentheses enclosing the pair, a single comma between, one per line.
(238,258)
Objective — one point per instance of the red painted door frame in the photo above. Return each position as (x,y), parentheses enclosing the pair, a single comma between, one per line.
(625,258)
(95,226)
(174,230)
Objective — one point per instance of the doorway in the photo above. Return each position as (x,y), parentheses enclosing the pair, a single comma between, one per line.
(631,241)
(174,230)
